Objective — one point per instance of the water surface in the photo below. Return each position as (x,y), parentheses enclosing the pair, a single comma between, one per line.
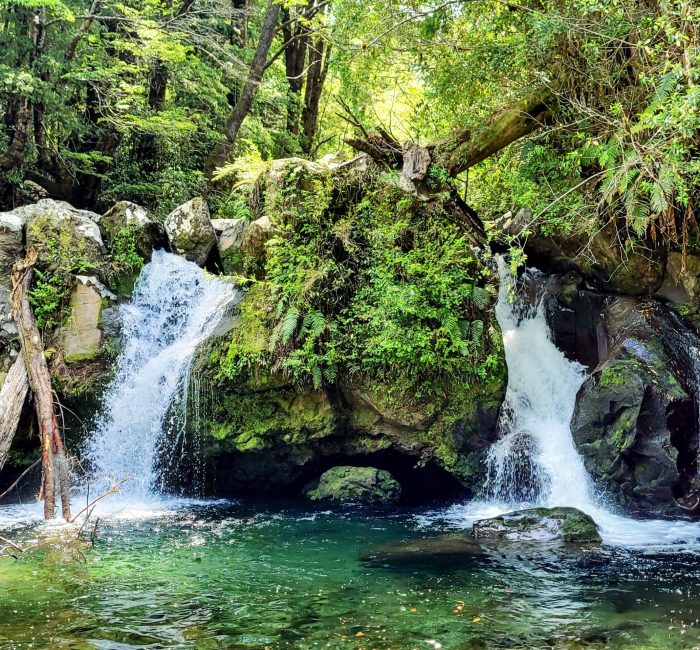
(260,575)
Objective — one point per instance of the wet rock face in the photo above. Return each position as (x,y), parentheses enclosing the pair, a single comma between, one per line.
(540,525)
(190,231)
(634,421)
(347,484)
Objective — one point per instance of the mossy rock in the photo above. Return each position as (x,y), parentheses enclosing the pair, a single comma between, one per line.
(540,525)
(348,484)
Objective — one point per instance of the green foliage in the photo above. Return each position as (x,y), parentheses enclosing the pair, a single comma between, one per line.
(364,279)
(124,258)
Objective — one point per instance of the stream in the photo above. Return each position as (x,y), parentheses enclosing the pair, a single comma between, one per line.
(151,571)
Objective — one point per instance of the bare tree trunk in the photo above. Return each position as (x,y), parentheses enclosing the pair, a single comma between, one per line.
(13,394)
(245,102)
(319,57)
(54,463)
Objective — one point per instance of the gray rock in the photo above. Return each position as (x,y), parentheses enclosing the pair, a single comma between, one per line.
(126,215)
(81,337)
(539,525)
(356,485)
(634,422)
(190,231)
(258,233)
(56,223)
(682,283)
(11,229)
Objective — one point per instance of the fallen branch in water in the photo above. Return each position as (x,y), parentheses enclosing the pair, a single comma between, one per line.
(11,544)
(90,506)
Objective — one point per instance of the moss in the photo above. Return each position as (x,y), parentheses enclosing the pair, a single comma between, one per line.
(356,484)
(262,419)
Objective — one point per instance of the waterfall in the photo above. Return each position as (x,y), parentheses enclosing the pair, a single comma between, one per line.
(175,307)
(535,461)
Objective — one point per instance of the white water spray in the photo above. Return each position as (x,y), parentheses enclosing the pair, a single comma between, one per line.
(535,463)
(175,307)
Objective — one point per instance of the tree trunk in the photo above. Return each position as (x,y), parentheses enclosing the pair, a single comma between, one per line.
(54,463)
(465,149)
(240,13)
(296,38)
(319,57)
(239,112)
(12,397)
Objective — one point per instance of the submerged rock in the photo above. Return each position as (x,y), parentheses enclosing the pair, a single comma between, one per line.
(190,231)
(356,485)
(540,525)
(429,549)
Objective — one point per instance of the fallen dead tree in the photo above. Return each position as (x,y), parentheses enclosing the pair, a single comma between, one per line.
(55,471)
(12,398)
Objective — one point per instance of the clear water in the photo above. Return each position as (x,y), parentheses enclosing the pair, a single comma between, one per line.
(256,575)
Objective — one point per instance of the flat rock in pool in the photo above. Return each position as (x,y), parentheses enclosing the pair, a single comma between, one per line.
(424,549)
(540,525)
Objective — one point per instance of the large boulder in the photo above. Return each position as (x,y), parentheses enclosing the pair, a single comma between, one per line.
(81,338)
(682,281)
(11,249)
(634,422)
(258,233)
(599,257)
(66,238)
(540,525)
(356,485)
(190,231)
(129,218)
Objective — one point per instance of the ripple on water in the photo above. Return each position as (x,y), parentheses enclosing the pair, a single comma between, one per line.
(253,574)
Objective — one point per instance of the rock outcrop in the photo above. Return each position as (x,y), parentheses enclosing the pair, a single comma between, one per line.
(540,525)
(130,218)
(348,484)
(190,231)
(81,337)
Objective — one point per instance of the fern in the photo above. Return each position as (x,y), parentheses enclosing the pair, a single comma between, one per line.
(317,376)
(479,297)
(330,374)
(289,324)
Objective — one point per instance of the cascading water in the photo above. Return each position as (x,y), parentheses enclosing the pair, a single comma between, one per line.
(175,307)
(535,461)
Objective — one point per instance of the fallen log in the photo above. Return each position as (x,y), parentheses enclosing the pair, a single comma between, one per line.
(54,463)
(13,394)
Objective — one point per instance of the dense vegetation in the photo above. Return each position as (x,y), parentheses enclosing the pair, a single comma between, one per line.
(155,101)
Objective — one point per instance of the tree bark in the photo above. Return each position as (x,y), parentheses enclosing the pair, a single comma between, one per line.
(245,102)
(54,463)
(319,57)
(13,394)
(464,149)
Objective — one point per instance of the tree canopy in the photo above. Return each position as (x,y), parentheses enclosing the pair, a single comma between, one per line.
(147,100)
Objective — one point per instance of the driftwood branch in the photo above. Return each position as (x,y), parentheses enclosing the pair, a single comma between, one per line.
(54,463)
(12,398)
(90,506)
